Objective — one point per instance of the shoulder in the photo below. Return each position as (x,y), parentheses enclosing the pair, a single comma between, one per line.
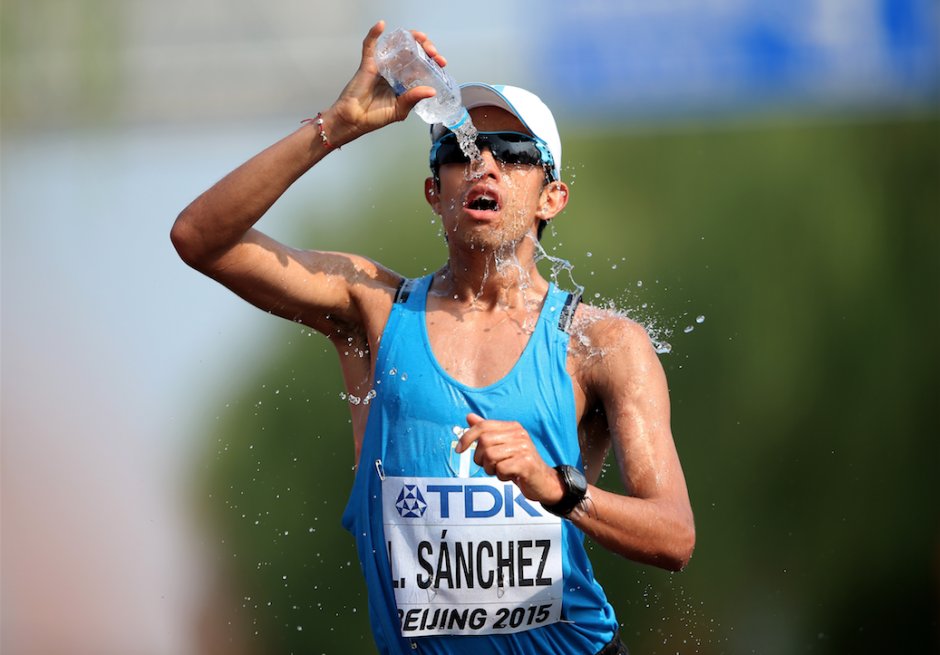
(597,333)
(608,348)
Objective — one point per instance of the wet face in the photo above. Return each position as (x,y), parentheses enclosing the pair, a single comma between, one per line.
(492,206)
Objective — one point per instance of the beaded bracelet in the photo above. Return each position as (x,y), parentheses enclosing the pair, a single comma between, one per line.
(322,132)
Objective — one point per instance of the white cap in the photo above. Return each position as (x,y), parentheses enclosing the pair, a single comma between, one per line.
(524,105)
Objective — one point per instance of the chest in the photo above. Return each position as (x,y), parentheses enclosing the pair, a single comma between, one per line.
(426,389)
(480,348)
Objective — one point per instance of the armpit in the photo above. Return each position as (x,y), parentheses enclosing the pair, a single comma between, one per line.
(594,440)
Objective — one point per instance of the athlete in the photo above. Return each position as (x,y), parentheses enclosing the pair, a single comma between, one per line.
(495,397)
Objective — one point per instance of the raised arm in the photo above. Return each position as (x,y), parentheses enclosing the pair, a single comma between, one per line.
(215,234)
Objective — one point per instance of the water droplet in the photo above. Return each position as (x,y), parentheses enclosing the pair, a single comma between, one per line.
(404,376)
(689,329)
(700,319)
(639,283)
(590,254)
(393,371)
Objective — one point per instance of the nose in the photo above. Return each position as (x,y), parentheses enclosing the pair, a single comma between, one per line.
(490,166)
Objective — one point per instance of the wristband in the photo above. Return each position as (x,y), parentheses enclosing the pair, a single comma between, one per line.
(322,132)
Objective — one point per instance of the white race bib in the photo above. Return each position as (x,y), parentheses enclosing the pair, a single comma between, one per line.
(470,556)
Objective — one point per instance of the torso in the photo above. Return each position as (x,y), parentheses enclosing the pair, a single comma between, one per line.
(421,403)
(477,347)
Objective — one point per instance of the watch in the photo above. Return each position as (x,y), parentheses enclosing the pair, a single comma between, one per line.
(575,491)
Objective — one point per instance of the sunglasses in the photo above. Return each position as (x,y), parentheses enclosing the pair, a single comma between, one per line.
(506,147)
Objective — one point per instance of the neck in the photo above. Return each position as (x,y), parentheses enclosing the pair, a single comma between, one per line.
(505,278)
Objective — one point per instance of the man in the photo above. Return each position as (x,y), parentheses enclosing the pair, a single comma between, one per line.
(493,394)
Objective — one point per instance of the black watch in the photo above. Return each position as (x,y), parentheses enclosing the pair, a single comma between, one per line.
(575,491)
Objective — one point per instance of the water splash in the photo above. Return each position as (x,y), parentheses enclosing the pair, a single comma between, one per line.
(557,266)
(466,135)
(642,313)
(661,347)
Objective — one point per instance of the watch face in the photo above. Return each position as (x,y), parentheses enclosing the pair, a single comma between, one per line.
(578,483)
(575,490)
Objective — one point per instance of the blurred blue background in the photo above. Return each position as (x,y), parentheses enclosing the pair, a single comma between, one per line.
(175,462)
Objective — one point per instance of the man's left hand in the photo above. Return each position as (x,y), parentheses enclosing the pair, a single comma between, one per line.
(505,449)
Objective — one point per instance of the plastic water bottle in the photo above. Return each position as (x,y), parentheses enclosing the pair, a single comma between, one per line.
(405,65)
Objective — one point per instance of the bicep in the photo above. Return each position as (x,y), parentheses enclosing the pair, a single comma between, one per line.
(635,397)
(316,288)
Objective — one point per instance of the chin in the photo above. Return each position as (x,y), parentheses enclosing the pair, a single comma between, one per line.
(489,242)
(490,238)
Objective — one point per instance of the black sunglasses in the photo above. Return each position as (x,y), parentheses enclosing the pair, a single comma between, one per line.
(506,147)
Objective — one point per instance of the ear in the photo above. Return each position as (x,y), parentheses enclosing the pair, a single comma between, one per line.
(433,195)
(552,200)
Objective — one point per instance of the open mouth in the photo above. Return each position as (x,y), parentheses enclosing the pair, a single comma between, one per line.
(486,201)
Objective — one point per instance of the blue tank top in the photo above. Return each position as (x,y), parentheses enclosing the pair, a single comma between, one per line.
(409,470)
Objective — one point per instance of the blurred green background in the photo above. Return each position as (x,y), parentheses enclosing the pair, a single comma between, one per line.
(175,463)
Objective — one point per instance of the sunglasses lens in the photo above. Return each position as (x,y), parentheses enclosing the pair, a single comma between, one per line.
(449,152)
(506,147)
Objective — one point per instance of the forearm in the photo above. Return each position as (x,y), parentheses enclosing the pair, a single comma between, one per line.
(649,531)
(218,219)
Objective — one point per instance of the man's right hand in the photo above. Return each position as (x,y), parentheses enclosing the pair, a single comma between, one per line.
(368,102)
(334,293)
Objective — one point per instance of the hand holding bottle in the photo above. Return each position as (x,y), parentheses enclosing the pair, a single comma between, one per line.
(368,102)
(405,65)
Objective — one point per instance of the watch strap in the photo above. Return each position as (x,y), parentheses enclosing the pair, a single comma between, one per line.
(574,492)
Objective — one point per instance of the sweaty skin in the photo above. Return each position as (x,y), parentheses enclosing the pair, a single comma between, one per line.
(481,309)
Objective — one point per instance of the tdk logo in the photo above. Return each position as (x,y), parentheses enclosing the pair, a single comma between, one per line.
(478,501)
(410,503)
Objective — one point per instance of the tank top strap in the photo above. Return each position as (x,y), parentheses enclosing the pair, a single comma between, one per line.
(405,288)
(566,316)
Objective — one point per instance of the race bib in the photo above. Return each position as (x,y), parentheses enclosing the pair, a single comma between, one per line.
(470,556)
